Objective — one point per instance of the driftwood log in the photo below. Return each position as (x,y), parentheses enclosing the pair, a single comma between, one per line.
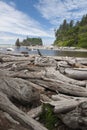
(12,110)
(19,89)
(77,118)
(59,86)
(71,70)
(7,122)
(52,73)
(79,74)
(37,80)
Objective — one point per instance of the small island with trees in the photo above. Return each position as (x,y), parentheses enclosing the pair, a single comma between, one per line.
(29,42)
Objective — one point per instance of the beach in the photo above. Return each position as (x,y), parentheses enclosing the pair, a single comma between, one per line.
(30,83)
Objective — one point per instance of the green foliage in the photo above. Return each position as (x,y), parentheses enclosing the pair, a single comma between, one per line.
(83,42)
(69,34)
(47,117)
(30,41)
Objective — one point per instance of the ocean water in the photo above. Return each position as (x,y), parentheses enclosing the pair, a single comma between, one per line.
(6,45)
(44,52)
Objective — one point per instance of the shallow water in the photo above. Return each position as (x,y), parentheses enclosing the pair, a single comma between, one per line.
(46,52)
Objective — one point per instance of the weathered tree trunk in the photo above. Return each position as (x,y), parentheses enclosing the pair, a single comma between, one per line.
(14,58)
(18,115)
(19,89)
(66,105)
(28,75)
(60,97)
(76,119)
(44,61)
(55,74)
(7,122)
(59,86)
(75,64)
(79,74)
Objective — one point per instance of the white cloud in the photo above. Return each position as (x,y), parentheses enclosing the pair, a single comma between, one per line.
(16,22)
(6,36)
(57,10)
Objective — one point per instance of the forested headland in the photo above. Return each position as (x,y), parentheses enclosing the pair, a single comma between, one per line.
(29,42)
(72,34)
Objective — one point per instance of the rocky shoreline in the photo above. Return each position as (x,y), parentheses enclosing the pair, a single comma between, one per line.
(32,85)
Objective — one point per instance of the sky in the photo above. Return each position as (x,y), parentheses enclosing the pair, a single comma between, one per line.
(36,18)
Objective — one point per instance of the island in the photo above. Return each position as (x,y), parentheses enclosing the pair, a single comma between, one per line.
(29,42)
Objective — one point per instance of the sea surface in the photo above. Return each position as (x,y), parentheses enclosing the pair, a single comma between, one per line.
(44,52)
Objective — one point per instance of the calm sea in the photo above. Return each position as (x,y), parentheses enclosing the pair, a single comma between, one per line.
(44,52)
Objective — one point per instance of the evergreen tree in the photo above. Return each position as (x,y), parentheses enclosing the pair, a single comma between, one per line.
(71,23)
(70,34)
(17,43)
(64,26)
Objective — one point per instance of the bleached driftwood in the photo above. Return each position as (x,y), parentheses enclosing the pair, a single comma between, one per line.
(60,97)
(35,112)
(12,110)
(7,122)
(77,118)
(62,87)
(55,74)
(65,106)
(75,64)
(14,58)
(28,75)
(44,61)
(19,89)
(79,74)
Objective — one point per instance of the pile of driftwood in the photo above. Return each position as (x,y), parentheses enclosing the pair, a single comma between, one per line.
(35,80)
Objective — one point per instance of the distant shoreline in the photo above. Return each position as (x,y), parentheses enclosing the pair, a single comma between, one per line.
(54,48)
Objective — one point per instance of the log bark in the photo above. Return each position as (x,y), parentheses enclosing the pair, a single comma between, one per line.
(64,103)
(35,112)
(18,115)
(44,98)
(82,61)
(59,86)
(8,123)
(76,119)
(14,58)
(44,61)
(65,106)
(79,74)
(28,66)
(75,64)
(19,89)
(28,75)
(56,75)
(60,97)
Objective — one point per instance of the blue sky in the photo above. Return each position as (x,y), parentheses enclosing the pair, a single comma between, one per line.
(36,18)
